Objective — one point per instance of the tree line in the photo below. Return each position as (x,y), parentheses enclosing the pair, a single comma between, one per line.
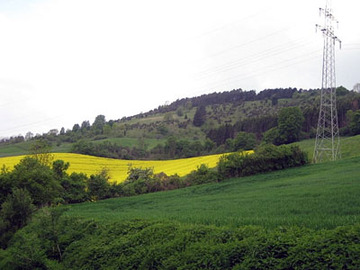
(235,96)
(171,149)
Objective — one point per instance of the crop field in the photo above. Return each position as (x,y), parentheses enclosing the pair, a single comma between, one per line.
(321,196)
(118,168)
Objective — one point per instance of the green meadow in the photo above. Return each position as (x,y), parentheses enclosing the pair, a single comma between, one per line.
(349,146)
(321,196)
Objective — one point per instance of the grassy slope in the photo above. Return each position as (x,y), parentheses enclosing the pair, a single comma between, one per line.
(315,196)
(349,146)
(22,148)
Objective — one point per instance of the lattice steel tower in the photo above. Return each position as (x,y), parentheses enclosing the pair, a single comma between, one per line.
(327,144)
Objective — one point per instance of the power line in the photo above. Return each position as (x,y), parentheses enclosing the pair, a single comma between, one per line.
(252,59)
(294,61)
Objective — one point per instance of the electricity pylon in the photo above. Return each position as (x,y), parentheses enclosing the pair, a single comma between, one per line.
(327,144)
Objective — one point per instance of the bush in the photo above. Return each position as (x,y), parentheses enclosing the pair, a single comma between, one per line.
(201,176)
(265,159)
(15,213)
(38,179)
(99,186)
(140,181)
(243,141)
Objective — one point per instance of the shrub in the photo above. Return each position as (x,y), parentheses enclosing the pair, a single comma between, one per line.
(38,179)
(265,159)
(99,186)
(201,176)
(244,141)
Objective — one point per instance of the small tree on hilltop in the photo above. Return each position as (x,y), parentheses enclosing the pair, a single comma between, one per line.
(99,124)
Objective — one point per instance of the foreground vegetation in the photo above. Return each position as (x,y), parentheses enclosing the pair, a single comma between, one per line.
(300,218)
(64,243)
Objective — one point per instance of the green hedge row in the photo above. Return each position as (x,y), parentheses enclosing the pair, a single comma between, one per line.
(63,243)
(266,158)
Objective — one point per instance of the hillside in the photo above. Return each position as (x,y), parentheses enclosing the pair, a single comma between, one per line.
(170,131)
(348,146)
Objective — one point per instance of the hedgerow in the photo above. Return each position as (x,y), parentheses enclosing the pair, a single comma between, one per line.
(266,158)
(141,244)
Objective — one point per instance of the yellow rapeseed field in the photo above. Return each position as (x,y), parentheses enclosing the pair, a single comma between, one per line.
(118,168)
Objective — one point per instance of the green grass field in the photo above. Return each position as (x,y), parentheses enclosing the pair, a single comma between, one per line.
(22,148)
(315,196)
(349,146)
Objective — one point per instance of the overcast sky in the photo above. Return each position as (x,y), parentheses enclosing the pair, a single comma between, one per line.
(66,61)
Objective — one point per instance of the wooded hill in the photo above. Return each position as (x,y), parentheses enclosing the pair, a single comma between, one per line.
(211,123)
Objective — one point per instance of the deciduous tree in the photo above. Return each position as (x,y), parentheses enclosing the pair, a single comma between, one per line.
(290,122)
(98,125)
(38,179)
